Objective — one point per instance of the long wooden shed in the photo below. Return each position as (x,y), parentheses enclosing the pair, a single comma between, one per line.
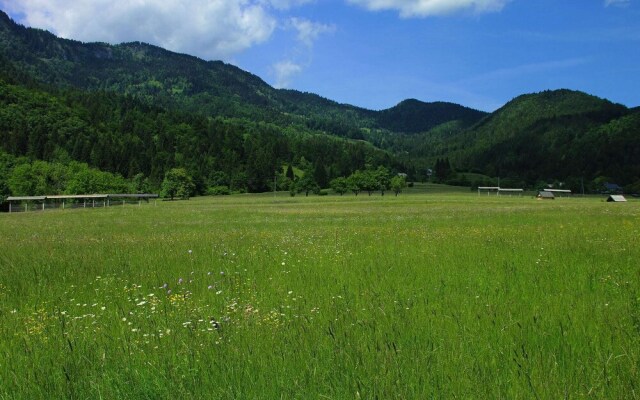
(26,203)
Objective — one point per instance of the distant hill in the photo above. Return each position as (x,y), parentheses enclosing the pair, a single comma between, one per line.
(414,116)
(560,133)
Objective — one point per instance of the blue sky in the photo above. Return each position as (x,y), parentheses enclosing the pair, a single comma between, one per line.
(375,53)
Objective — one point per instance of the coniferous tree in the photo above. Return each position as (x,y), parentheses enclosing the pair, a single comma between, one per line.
(320,175)
(290,173)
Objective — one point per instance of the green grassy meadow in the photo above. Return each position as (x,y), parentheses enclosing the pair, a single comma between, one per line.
(254,297)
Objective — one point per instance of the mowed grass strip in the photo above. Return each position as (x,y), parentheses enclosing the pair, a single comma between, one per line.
(415,296)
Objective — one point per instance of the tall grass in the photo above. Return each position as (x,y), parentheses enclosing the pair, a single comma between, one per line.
(417,296)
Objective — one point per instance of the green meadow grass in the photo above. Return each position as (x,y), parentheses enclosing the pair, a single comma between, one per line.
(255,297)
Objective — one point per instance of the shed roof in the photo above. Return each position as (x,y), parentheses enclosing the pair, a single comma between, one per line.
(543,194)
(616,198)
(558,190)
(82,196)
(26,198)
(134,195)
(77,196)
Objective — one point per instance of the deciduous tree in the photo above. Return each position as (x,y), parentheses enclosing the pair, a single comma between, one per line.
(177,183)
(340,185)
(398,183)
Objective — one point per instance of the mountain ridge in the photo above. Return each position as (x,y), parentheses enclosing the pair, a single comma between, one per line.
(140,69)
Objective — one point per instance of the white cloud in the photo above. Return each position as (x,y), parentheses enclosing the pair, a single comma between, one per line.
(426,8)
(284,72)
(308,31)
(620,3)
(285,4)
(210,29)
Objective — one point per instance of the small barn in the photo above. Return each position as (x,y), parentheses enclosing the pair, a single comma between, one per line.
(616,198)
(612,188)
(544,195)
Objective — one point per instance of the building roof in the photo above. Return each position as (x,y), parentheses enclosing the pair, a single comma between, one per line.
(558,190)
(82,197)
(616,198)
(134,195)
(26,198)
(543,194)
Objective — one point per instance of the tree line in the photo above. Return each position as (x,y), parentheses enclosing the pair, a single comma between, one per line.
(123,137)
(369,180)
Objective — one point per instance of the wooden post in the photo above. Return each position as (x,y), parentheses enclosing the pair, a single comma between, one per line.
(9,207)
(63,204)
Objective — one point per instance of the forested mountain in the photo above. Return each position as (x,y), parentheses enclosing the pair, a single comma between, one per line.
(123,135)
(159,76)
(550,135)
(134,109)
(415,116)
(208,87)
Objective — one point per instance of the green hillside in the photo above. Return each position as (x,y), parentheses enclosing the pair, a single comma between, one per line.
(208,87)
(134,109)
(552,135)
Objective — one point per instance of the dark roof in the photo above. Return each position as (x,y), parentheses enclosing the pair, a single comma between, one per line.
(546,195)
